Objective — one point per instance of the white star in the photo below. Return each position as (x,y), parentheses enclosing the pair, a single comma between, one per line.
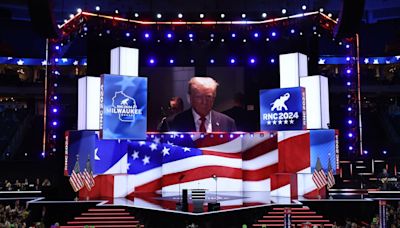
(20,62)
(128,166)
(125,83)
(269,122)
(165,151)
(366,61)
(153,146)
(146,160)
(285,122)
(397,57)
(274,122)
(321,61)
(186,149)
(141,143)
(135,154)
(44,63)
(387,61)
(376,61)
(75,62)
(280,122)
(170,143)
(96,157)
(291,121)
(156,140)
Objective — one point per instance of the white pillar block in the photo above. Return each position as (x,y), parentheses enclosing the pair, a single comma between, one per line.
(292,66)
(124,61)
(89,103)
(317,101)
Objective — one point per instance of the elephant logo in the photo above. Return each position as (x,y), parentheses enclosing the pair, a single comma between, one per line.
(279,103)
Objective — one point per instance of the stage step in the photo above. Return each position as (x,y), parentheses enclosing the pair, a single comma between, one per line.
(299,216)
(86,226)
(293,212)
(103,214)
(106,210)
(103,222)
(104,217)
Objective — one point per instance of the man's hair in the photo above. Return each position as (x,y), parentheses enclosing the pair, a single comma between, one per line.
(207,82)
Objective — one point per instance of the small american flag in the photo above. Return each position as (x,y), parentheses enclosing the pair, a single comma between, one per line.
(75,179)
(319,176)
(87,176)
(330,177)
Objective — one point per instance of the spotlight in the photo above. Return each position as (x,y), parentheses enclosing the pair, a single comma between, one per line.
(303,7)
(252,60)
(55,123)
(152,61)
(190,35)
(232,60)
(171,61)
(212,61)
(273,34)
(222,15)
(350,135)
(272,60)
(159,15)
(350,148)
(256,34)
(55,110)
(79,10)
(233,35)
(321,10)
(243,15)
(116,11)
(202,15)
(264,15)
(292,31)
(180,15)
(365,151)
(284,11)
(169,35)
(329,15)
(348,83)
(348,71)
(384,152)
(136,15)
(349,109)
(350,122)
(97,8)
(146,35)
(127,34)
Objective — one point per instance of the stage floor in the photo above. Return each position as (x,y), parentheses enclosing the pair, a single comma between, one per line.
(228,201)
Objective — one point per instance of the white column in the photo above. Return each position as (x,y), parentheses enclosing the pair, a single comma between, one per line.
(89,103)
(292,66)
(124,61)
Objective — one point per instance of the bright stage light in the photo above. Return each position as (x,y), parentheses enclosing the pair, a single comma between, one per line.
(136,15)
(190,35)
(349,109)
(284,11)
(97,8)
(350,135)
(116,11)
(222,15)
(180,15)
(152,61)
(273,34)
(212,61)
(146,35)
(127,34)
(256,34)
(169,35)
(252,60)
(350,122)
(350,148)
(348,83)
(233,35)
(232,60)
(55,123)
(303,7)
(321,10)
(55,110)
(243,15)
(292,31)
(264,15)
(272,60)
(171,61)
(159,15)
(79,10)
(202,15)
(348,71)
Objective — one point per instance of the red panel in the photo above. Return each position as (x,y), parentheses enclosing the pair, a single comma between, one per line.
(104,187)
(294,153)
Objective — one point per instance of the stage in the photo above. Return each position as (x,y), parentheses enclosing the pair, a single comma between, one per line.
(237,208)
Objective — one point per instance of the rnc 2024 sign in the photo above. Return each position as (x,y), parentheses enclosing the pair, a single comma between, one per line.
(123,107)
(283,109)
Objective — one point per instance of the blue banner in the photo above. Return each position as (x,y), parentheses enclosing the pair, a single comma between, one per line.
(123,107)
(323,146)
(283,109)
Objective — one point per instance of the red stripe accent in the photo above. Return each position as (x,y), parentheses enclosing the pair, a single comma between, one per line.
(222,154)
(260,174)
(215,140)
(202,173)
(261,148)
(151,186)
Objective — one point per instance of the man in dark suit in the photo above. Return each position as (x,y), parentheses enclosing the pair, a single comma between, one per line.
(200,117)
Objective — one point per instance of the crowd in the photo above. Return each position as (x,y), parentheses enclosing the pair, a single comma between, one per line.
(13,216)
(7,185)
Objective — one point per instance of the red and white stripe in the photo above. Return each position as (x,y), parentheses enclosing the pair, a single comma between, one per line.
(319,178)
(330,179)
(76,181)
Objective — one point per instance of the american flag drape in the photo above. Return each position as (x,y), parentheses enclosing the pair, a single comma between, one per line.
(76,179)
(330,177)
(87,176)
(319,176)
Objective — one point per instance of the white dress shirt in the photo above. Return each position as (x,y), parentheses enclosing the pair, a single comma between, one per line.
(197,121)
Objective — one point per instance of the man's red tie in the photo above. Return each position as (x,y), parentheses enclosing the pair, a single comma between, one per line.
(202,127)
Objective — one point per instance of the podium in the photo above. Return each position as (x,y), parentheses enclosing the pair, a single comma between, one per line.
(198,197)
